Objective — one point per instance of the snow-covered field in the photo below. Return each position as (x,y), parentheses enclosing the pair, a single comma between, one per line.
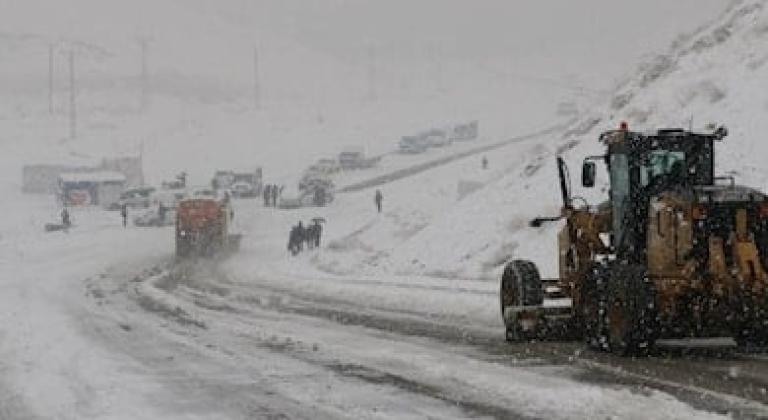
(396,315)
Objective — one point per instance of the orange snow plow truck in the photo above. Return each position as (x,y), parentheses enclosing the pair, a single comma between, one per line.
(202,227)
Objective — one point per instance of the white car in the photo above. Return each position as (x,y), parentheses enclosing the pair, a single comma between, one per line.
(326,166)
(294,199)
(151,217)
(135,198)
(243,190)
(436,138)
(413,144)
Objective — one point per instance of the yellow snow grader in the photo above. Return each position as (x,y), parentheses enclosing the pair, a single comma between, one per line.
(673,253)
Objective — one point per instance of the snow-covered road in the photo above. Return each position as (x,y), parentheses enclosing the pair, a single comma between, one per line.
(131,333)
(260,335)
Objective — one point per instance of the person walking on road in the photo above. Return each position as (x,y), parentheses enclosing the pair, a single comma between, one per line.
(267,194)
(378,199)
(317,232)
(275,192)
(65,218)
(161,212)
(124,213)
(485,162)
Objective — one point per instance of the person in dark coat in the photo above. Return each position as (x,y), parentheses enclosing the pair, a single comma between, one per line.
(65,221)
(275,192)
(318,198)
(378,199)
(124,214)
(292,241)
(267,194)
(296,239)
(161,211)
(300,235)
(317,231)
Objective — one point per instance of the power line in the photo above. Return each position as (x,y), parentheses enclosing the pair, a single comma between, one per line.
(144,45)
(256,85)
(50,78)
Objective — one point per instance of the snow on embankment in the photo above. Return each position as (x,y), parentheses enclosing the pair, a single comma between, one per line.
(716,74)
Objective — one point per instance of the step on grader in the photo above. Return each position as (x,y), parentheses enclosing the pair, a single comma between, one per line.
(673,253)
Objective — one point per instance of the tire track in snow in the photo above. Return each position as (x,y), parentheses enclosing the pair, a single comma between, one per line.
(696,381)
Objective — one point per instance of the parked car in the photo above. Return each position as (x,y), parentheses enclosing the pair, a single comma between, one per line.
(326,166)
(151,217)
(464,132)
(355,159)
(313,190)
(135,198)
(294,198)
(168,198)
(249,182)
(436,138)
(243,190)
(413,144)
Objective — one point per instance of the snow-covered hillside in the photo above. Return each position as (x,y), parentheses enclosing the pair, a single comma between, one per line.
(715,74)
(319,66)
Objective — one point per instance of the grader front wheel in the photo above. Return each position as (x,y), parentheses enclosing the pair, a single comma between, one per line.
(520,288)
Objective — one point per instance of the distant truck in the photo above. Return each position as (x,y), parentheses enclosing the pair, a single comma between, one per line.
(242,184)
(162,209)
(134,198)
(355,159)
(202,227)
(327,166)
(436,138)
(413,144)
(464,132)
(314,189)
(100,188)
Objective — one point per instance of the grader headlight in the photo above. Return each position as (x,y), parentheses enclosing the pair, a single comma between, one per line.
(699,212)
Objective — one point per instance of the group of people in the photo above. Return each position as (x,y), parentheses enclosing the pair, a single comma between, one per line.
(301,236)
(271,193)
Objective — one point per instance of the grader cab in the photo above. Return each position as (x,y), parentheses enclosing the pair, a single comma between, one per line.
(674,252)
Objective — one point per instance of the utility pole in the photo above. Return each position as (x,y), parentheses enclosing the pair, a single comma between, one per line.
(256,85)
(141,163)
(50,78)
(72,94)
(371,73)
(144,45)
(437,65)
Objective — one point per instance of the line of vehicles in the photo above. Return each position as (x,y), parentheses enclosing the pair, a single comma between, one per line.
(316,186)
(438,137)
(157,206)
(202,222)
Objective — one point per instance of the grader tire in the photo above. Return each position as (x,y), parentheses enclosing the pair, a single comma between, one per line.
(752,333)
(628,326)
(589,311)
(520,286)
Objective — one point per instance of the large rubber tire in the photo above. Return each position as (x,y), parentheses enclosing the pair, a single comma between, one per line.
(752,332)
(589,311)
(629,326)
(520,286)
